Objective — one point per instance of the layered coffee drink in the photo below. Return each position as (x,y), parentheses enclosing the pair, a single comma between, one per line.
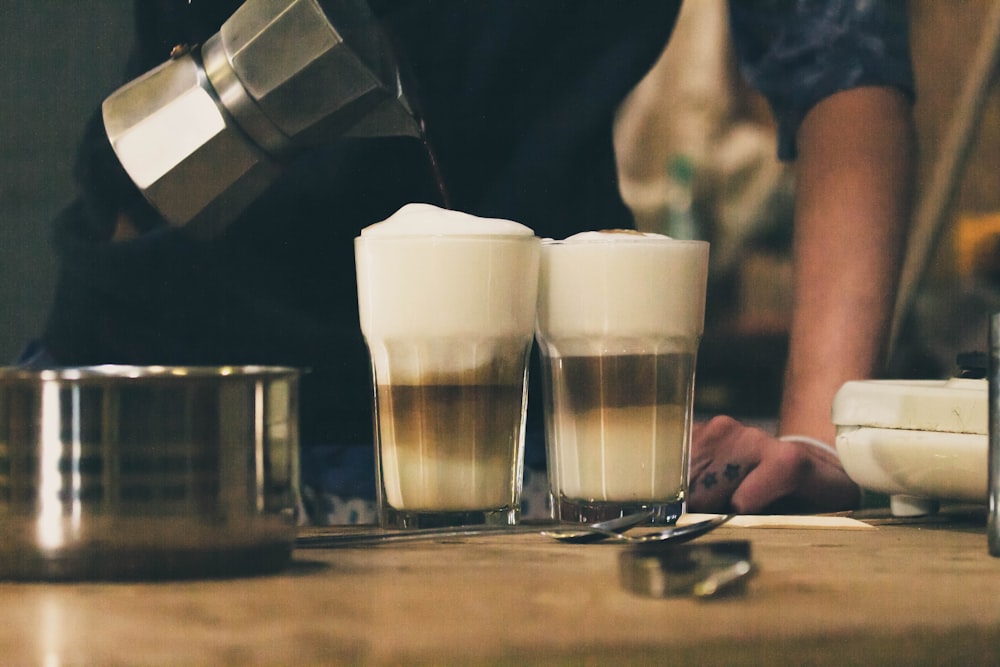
(451,442)
(447,305)
(620,421)
(620,317)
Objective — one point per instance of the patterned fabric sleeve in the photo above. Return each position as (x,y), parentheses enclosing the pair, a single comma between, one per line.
(797,52)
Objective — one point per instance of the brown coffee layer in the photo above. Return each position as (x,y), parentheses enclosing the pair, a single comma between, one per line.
(592,382)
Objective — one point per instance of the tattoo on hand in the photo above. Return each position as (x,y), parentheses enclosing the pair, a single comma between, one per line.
(731,473)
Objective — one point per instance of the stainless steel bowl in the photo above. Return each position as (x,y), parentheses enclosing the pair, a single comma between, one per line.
(126,472)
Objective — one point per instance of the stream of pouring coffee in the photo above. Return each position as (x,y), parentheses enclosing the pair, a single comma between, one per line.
(434,165)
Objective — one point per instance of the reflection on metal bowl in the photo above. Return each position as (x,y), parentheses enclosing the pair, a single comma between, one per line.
(127,472)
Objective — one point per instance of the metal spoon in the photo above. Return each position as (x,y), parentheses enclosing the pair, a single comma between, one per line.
(601,530)
(378,536)
(595,533)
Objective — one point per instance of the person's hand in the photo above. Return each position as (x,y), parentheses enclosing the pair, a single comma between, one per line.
(741,469)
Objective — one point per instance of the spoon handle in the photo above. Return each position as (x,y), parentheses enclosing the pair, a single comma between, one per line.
(678,534)
(378,536)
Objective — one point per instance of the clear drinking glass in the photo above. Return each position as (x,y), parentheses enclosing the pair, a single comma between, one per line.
(449,323)
(620,318)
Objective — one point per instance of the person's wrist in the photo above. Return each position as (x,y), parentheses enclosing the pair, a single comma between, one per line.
(812,442)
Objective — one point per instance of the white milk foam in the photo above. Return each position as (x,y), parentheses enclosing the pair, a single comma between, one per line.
(588,290)
(447,280)
(427,219)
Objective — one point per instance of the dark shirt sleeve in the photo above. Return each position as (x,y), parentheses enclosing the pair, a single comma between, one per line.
(798,52)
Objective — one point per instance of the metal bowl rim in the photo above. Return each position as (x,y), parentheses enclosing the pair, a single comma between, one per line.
(126,373)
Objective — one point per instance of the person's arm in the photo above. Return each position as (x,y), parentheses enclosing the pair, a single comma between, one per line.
(855,174)
(853,201)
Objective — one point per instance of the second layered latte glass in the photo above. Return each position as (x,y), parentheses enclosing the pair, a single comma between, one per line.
(620,318)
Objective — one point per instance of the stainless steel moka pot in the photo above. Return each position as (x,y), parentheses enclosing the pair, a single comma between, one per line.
(206,132)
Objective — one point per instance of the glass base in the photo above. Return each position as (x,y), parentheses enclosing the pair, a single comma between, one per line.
(566,510)
(390,517)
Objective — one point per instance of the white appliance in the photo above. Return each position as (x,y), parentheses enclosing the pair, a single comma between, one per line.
(919,441)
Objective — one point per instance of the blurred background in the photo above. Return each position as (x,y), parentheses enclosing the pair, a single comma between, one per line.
(60,60)
(696,152)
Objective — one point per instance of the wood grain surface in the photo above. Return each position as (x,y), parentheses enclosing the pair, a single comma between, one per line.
(904,592)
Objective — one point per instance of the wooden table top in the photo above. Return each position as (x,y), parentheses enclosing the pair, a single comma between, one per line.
(901,593)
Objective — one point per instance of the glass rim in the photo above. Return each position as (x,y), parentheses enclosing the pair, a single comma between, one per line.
(624,240)
(378,238)
(129,372)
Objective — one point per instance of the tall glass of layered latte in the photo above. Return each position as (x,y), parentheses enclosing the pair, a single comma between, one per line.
(620,317)
(447,305)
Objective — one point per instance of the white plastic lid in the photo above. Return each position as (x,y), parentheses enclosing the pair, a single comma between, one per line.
(958,405)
